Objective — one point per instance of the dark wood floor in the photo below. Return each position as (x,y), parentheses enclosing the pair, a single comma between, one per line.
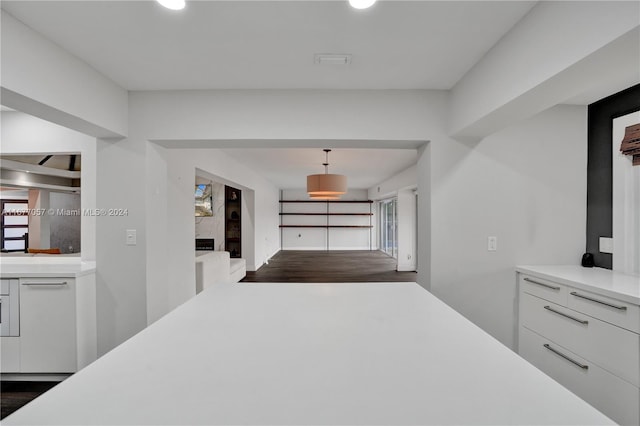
(330,266)
(14,395)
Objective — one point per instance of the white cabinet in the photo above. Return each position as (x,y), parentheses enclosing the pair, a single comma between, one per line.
(57,326)
(48,325)
(588,342)
(10,354)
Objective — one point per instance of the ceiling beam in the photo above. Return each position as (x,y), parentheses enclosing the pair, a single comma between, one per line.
(536,66)
(44,160)
(35,168)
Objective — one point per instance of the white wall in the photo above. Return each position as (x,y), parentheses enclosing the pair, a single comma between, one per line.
(282,115)
(338,238)
(171,265)
(407,233)
(403,187)
(626,202)
(42,79)
(181,117)
(527,186)
(121,275)
(408,178)
(14,194)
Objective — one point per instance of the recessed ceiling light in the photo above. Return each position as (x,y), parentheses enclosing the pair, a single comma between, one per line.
(361,4)
(173,4)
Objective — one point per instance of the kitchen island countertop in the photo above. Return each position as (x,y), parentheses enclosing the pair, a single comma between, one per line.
(287,353)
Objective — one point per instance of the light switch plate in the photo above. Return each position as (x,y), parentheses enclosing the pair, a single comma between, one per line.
(606,245)
(131,237)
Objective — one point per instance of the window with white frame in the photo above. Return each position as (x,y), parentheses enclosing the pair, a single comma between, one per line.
(15,225)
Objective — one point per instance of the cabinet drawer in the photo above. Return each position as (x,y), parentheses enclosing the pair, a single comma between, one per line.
(613,311)
(610,347)
(545,289)
(616,398)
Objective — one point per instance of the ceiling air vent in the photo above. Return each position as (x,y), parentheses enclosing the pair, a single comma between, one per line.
(332,59)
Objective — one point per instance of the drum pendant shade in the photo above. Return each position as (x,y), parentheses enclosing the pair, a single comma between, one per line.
(327,185)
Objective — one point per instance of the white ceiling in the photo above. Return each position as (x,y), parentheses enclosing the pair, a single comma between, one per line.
(265,44)
(287,168)
(271,44)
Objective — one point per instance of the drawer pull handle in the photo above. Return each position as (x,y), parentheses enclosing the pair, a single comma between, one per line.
(549,308)
(542,284)
(583,366)
(48,284)
(622,308)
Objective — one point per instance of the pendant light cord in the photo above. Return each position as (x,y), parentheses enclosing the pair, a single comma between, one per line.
(326,163)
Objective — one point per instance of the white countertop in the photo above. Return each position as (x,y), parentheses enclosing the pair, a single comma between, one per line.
(597,280)
(45,267)
(273,353)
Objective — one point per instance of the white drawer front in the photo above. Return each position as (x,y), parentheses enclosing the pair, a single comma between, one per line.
(605,308)
(47,325)
(545,289)
(610,347)
(616,398)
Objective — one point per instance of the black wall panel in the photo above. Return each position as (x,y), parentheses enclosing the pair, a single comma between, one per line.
(600,167)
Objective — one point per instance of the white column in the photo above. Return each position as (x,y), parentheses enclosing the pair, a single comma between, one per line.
(406,211)
(39,224)
(626,202)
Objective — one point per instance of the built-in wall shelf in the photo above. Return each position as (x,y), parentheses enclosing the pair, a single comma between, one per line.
(338,215)
(326,226)
(326,214)
(329,201)
(233,221)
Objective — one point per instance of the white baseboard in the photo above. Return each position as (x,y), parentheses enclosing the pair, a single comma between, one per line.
(406,268)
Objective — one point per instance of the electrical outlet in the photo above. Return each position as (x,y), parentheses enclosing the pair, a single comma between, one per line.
(492,243)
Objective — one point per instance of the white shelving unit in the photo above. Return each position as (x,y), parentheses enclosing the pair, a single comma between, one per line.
(327,215)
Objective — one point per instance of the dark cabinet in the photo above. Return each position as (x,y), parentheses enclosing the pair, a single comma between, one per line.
(233,221)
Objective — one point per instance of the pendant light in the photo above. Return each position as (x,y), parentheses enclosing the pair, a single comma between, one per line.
(326,186)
